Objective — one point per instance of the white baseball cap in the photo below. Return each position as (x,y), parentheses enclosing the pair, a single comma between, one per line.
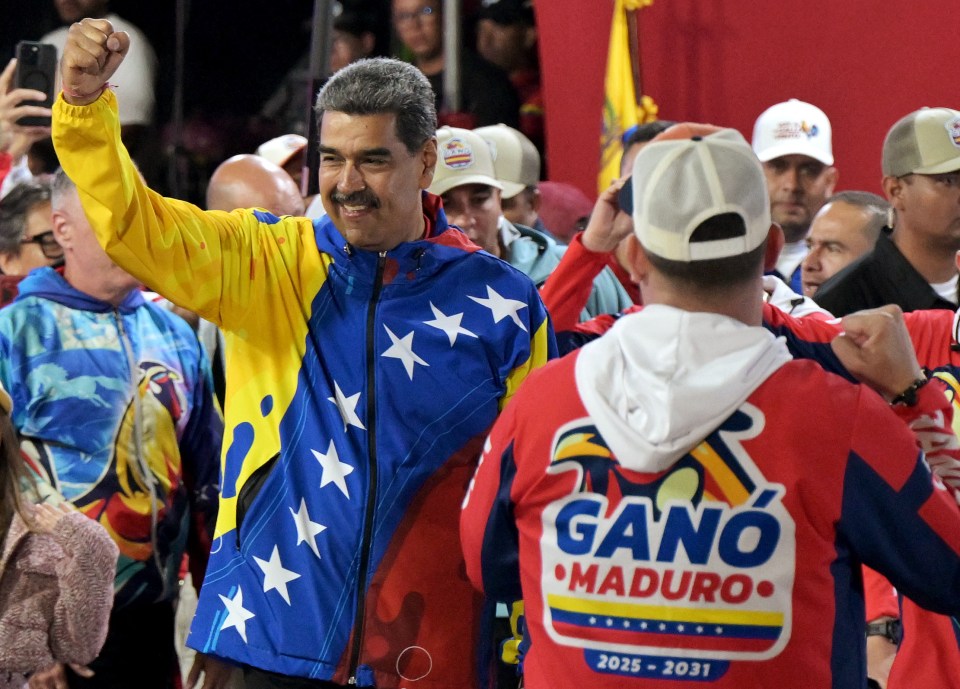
(691,174)
(463,157)
(793,128)
(516,160)
(925,142)
(282,148)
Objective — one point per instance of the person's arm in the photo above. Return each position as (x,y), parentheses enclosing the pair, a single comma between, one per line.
(896,516)
(488,532)
(192,257)
(567,289)
(882,607)
(784,298)
(85,579)
(530,354)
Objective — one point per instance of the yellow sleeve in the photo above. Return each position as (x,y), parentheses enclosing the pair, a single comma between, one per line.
(541,347)
(211,262)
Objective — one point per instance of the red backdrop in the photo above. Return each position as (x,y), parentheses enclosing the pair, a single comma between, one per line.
(866,63)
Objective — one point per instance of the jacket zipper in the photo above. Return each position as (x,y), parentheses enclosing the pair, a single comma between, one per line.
(148,478)
(366,537)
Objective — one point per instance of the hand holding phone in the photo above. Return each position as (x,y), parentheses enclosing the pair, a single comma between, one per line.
(14,105)
(36,71)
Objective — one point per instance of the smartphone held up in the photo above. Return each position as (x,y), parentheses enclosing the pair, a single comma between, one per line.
(36,70)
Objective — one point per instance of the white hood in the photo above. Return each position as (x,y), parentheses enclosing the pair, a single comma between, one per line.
(663,379)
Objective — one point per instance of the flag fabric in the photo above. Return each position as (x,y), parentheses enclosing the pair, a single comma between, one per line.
(621,107)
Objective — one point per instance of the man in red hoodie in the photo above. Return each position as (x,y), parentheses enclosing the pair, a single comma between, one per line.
(656,498)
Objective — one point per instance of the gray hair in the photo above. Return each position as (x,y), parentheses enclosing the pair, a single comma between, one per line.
(381,85)
(62,188)
(13,213)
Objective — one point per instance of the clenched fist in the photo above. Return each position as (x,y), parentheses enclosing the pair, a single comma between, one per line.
(90,57)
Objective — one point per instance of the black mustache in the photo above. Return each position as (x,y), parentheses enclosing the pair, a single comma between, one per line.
(357,198)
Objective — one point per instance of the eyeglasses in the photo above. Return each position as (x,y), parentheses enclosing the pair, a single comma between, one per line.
(415,16)
(48,245)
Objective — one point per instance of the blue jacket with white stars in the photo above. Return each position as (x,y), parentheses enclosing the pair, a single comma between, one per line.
(360,389)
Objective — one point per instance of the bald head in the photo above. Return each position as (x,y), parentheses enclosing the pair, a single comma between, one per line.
(248,181)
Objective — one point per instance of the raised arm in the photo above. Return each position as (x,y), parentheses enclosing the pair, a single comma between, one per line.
(190,256)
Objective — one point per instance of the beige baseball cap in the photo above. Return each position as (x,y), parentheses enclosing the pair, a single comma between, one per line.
(680,181)
(463,157)
(516,160)
(281,149)
(925,142)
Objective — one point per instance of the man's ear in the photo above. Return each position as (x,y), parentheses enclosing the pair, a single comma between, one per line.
(9,263)
(62,230)
(893,190)
(639,264)
(775,242)
(535,200)
(832,177)
(428,156)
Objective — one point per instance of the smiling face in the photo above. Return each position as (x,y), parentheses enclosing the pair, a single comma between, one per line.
(370,183)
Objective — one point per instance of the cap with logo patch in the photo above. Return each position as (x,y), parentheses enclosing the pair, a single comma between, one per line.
(925,142)
(463,157)
(793,128)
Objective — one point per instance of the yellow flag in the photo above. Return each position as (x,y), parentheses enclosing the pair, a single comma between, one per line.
(620,104)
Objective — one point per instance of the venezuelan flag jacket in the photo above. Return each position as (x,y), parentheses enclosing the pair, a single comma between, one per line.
(115,410)
(673,519)
(360,387)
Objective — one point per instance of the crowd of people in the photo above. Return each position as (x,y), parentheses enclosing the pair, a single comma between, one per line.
(445,423)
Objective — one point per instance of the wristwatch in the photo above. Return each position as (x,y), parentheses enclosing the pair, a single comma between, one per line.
(889,628)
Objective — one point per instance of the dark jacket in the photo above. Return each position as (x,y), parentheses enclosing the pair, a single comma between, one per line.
(883,276)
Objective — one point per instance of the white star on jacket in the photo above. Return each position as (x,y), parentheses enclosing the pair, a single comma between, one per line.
(334,471)
(237,615)
(275,577)
(501,307)
(347,407)
(306,529)
(402,349)
(448,324)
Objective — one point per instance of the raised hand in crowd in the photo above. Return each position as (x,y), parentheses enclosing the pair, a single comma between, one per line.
(90,57)
(607,226)
(15,140)
(876,348)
